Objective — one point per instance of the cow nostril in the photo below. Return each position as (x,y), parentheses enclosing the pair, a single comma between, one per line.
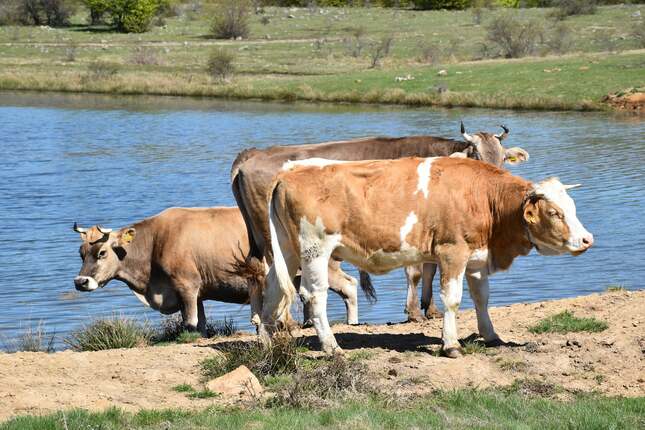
(81,281)
(587,241)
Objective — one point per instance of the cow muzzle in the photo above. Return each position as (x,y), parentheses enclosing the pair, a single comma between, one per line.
(85,283)
(586,242)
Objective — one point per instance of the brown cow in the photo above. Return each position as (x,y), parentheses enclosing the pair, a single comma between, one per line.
(172,261)
(469,217)
(253,171)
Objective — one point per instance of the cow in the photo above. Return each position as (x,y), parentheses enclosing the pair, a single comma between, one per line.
(471,218)
(172,261)
(253,171)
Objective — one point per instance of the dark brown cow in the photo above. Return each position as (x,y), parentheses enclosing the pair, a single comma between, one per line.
(172,261)
(468,217)
(254,169)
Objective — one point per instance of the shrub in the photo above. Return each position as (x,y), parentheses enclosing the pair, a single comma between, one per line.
(442,4)
(55,13)
(10,12)
(430,53)
(381,50)
(355,43)
(231,19)
(220,64)
(566,322)
(566,8)
(514,36)
(109,334)
(225,327)
(331,381)
(97,9)
(281,357)
(132,16)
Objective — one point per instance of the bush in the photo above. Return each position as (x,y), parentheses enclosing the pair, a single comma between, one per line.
(132,16)
(102,70)
(381,50)
(220,64)
(10,12)
(54,13)
(231,19)
(560,39)
(442,4)
(57,12)
(332,381)
(144,56)
(514,36)
(97,9)
(566,8)
(110,334)
(281,357)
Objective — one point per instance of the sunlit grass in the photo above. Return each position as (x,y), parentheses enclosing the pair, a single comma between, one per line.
(566,322)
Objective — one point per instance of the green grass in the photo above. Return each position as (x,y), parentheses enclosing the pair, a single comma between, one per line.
(458,409)
(203,394)
(188,337)
(117,332)
(614,288)
(307,58)
(566,322)
(183,388)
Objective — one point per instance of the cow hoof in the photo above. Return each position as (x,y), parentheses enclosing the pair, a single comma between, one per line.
(307,324)
(452,352)
(415,318)
(494,343)
(433,313)
(256,321)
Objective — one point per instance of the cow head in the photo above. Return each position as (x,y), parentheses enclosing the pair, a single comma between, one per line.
(551,221)
(102,252)
(490,148)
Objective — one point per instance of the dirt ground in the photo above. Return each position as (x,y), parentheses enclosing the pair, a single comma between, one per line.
(611,362)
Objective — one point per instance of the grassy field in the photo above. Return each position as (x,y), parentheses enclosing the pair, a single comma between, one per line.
(303,54)
(458,409)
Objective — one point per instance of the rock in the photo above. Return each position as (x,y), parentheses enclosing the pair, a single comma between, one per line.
(239,382)
(442,72)
(290,16)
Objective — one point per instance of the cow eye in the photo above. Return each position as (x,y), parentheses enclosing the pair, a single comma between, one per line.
(102,253)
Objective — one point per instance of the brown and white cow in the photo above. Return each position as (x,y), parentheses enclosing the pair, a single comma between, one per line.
(172,261)
(253,172)
(470,218)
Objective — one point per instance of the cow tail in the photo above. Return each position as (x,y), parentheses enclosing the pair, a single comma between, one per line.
(280,291)
(367,287)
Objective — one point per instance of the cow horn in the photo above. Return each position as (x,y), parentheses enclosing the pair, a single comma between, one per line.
(467,137)
(568,187)
(502,136)
(103,230)
(78,229)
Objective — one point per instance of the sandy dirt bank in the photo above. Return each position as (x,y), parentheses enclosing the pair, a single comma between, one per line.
(611,362)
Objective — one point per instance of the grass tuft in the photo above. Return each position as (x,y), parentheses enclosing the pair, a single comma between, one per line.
(111,333)
(203,394)
(615,288)
(280,358)
(32,339)
(183,388)
(566,322)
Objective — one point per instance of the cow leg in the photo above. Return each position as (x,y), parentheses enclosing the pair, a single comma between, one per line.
(346,287)
(201,318)
(479,291)
(413,274)
(452,266)
(427,300)
(189,312)
(313,290)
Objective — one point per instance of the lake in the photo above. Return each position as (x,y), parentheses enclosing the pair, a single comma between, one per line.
(115,160)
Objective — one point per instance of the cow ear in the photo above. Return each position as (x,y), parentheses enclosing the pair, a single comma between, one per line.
(515,155)
(531,212)
(127,236)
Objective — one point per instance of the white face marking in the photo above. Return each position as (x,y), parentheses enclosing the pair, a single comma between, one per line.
(410,221)
(423,170)
(91,283)
(314,162)
(554,191)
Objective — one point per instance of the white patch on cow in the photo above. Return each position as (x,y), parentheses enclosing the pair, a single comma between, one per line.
(310,162)
(553,190)
(478,259)
(423,170)
(451,298)
(410,221)
(91,283)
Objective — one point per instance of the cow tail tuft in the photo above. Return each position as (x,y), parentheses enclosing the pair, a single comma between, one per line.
(367,287)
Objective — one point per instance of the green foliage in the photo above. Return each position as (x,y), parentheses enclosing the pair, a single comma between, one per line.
(183,388)
(566,322)
(280,357)
(132,16)
(203,394)
(220,64)
(231,19)
(109,334)
(442,4)
(97,9)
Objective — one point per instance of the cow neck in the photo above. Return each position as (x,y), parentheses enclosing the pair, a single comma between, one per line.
(509,237)
(136,265)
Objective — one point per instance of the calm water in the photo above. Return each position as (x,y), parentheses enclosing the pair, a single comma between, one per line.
(116,160)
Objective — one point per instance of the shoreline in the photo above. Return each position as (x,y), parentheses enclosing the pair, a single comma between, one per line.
(605,363)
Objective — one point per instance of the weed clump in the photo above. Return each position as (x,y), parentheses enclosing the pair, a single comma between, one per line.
(566,322)
(110,334)
(220,64)
(231,20)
